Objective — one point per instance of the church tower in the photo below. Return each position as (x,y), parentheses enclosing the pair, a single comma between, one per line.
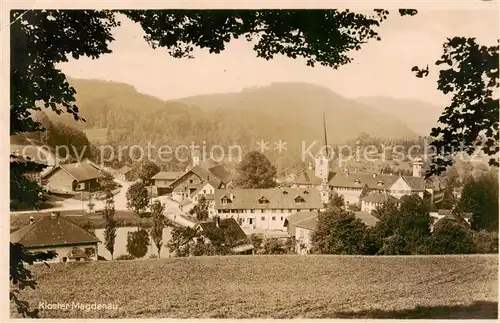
(322,169)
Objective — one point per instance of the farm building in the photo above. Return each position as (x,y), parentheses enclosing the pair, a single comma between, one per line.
(59,234)
(72,178)
(163,180)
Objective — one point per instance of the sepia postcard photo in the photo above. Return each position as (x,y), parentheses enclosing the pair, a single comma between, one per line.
(252,162)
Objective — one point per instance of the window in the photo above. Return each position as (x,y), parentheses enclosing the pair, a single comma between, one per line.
(273,218)
(191,181)
(299,199)
(285,192)
(204,191)
(263,218)
(262,211)
(263,200)
(252,211)
(281,218)
(282,210)
(306,192)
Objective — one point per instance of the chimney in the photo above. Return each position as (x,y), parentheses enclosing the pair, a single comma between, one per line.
(32,220)
(374,175)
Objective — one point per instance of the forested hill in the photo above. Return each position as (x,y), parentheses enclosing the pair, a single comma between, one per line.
(288,111)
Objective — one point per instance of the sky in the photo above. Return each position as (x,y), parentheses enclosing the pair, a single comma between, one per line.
(379,69)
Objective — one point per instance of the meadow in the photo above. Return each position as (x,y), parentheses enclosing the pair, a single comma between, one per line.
(288,286)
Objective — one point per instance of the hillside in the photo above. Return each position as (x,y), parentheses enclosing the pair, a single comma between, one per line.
(417,115)
(288,111)
(301,106)
(287,286)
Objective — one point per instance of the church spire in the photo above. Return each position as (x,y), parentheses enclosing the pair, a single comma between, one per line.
(327,151)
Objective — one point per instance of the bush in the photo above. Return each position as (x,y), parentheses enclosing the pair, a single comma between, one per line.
(486,242)
(451,238)
(125,257)
(137,243)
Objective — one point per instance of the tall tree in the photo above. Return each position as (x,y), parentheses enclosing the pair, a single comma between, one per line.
(255,171)
(110,225)
(470,121)
(146,169)
(137,243)
(365,191)
(158,217)
(480,196)
(200,209)
(137,197)
(339,232)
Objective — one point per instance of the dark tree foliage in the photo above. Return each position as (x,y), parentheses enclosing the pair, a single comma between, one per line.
(366,190)
(403,229)
(322,37)
(137,197)
(200,209)
(21,277)
(486,242)
(110,225)
(182,238)
(137,243)
(480,197)
(25,192)
(273,246)
(450,237)
(336,200)
(470,122)
(159,222)
(145,169)
(339,232)
(255,171)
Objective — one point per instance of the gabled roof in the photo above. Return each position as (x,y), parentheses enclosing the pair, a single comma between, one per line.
(52,231)
(167,175)
(309,223)
(79,171)
(249,199)
(299,216)
(230,226)
(221,173)
(379,181)
(379,198)
(309,177)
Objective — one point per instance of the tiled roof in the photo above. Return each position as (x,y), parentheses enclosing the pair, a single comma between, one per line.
(278,198)
(309,177)
(379,181)
(294,218)
(52,231)
(379,198)
(79,171)
(185,202)
(309,223)
(167,175)
(221,173)
(366,217)
(230,226)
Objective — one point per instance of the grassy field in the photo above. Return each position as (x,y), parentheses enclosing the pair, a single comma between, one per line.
(274,287)
(124,218)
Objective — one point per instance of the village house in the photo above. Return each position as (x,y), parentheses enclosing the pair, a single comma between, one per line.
(265,209)
(240,242)
(72,178)
(351,184)
(162,182)
(300,226)
(206,191)
(189,182)
(372,201)
(59,234)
